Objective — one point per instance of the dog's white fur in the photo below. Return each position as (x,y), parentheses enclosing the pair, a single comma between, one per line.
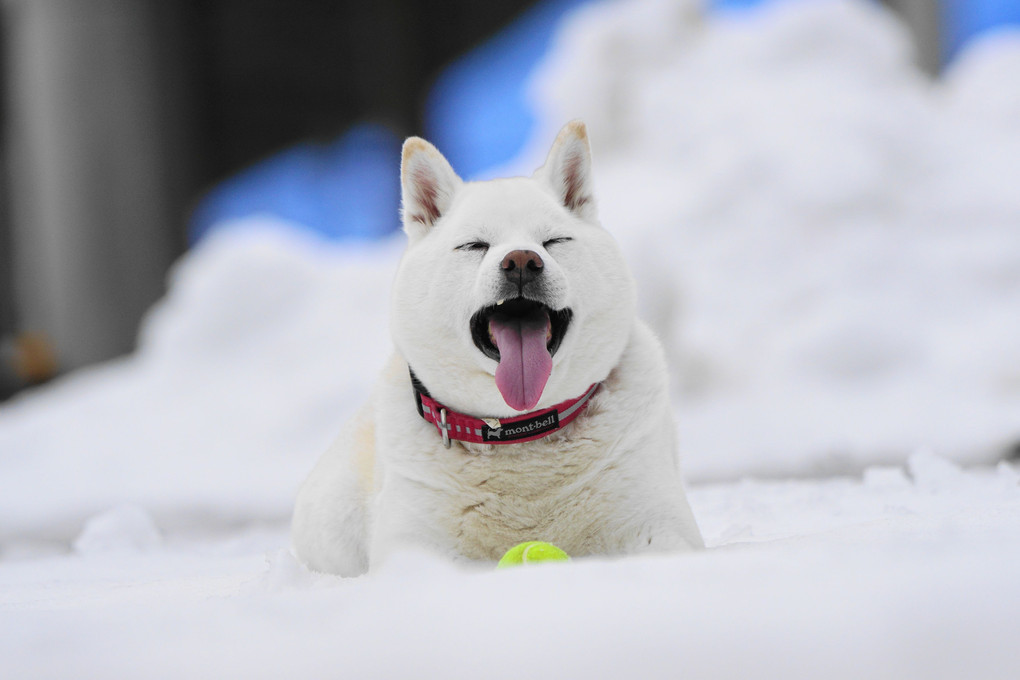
(608,483)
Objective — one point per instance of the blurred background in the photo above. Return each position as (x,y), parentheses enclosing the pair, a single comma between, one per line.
(120,115)
(125,120)
(199,225)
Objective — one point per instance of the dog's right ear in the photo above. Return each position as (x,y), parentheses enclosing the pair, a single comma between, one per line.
(427,184)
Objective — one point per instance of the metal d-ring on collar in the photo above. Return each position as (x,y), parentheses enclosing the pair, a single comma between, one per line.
(445,427)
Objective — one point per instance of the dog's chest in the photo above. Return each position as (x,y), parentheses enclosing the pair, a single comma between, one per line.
(560,490)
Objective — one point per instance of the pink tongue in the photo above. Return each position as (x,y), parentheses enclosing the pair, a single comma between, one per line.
(524,360)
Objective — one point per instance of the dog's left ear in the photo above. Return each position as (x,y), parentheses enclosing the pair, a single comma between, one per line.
(567,170)
(427,184)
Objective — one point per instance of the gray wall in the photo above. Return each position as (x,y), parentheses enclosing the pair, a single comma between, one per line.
(93,149)
(923,18)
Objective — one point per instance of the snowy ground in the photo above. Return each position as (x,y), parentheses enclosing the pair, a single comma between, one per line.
(902,574)
(828,244)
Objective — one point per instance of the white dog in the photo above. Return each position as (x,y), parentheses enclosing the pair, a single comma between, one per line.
(525,400)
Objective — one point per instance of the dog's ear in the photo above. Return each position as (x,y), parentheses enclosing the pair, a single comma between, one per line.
(567,170)
(427,184)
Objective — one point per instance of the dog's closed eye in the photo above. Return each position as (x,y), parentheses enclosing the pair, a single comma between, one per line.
(556,241)
(473,245)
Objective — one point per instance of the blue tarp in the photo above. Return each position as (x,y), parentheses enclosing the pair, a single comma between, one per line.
(349,189)
(964,20)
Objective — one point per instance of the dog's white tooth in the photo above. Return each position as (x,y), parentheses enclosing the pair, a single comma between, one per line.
(499,302)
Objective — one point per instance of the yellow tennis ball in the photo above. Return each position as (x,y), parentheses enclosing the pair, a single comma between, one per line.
(532,552)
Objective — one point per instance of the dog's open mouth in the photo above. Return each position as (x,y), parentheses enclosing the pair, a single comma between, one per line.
(522,335)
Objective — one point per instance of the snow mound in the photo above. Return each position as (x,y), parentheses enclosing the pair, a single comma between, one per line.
(825,239)
(982,84)
(264,345)
(125,528)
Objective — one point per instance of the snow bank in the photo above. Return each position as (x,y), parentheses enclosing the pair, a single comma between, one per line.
(826,240)
(266,342)
(981,82)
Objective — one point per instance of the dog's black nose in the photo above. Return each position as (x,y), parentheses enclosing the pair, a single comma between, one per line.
(522,266)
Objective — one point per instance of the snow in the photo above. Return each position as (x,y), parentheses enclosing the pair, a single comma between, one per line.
(827,243)
(889,577)
(124,528)
(242,376)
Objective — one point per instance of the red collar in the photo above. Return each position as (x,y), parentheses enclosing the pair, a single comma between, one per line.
(522,428)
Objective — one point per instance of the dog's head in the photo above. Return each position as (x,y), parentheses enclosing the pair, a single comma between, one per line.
(510,296)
